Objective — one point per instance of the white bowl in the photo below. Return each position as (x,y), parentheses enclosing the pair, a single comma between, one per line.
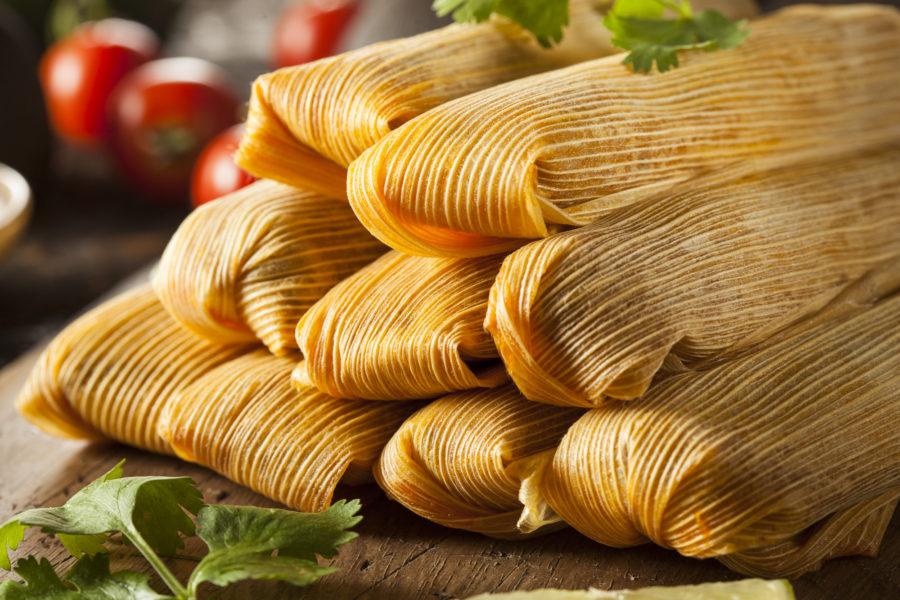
(15,206)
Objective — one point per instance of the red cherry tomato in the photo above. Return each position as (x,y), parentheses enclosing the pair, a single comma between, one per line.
(80,71)
(216,173)
(163,114)
(310,30)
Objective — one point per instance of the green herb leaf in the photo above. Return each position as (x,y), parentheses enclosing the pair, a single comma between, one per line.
(90,576)
(79,545)
(245,542)
(715,27)
(544,19)
(11,533)
(149,507)
(224,568)
(640,9)
(40,581)
(242,540)
(639,26)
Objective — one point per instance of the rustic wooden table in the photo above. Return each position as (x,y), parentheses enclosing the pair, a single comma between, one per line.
(87,235)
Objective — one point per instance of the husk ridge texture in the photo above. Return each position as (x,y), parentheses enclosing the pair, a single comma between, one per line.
(404,327)
(665,286)
(247,422)
(749,455)
(109,373)
(462,460)
(248,265)
(856,531)
(476,175)
(307,123)
(127,371)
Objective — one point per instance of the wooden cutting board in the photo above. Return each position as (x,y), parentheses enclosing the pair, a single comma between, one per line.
(397,555)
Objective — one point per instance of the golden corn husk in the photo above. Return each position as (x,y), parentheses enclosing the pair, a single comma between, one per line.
(249,265)
(108,374)
(403,327)
(856,531)
(745,458)
(475,175)
(245,421)
(467,461)
(307,123)
(697,276)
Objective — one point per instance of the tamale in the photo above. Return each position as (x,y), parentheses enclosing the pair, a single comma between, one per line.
(307,123)
(248,265)
(596,312)
(856,531)
(476,175)
(467,461)
(245,421)
(403,327)
(745,458)
(108,374)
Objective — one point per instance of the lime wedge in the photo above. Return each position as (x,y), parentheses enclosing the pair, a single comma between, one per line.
(746,589)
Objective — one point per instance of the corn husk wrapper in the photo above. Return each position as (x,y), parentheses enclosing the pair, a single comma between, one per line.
(109,373)
(856,531)
(403,327)
(248,265)
(307,123)
(467,461)
(744,458)
(596,312)
(245,421)
(475,175)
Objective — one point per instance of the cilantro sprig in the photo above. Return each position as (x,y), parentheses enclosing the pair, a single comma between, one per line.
(90,577)
(153,514)
(639,26)
(545,19)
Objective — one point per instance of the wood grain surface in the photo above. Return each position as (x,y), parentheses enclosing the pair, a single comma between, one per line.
(397,555)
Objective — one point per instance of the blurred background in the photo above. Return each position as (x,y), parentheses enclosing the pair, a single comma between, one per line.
(106,194)
(94,220)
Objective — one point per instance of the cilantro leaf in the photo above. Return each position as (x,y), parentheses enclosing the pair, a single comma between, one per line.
(224,568)
(40,581)
(152,513)
(157,509)
(715,27)
(294,533)
(11,533)
(641,9)
(639,26)
(544,19)
(242,540)
(79,545)
(140,507)
(148,511)
(90,576)
(465,11)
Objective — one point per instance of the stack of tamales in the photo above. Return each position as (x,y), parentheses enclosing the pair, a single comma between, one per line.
(700,347)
